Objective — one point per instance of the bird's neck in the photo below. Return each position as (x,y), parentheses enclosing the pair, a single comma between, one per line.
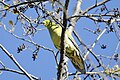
(54,28)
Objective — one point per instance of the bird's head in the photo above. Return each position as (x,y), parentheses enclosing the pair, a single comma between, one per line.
(48,23)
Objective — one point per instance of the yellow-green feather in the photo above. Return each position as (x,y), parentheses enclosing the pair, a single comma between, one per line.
(71,51)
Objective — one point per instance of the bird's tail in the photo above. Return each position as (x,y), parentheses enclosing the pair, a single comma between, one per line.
(78,63)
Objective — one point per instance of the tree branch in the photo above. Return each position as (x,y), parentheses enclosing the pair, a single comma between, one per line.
(19,4)
(18,72)
(15,61)
(94,6)
(97,17)
(90,73)
(76,12)
(93,15)
(62,68)
(92,46)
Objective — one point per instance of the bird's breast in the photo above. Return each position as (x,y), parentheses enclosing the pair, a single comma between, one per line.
(55,36)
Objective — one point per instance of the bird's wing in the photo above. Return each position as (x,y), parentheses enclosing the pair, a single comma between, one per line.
(72,40)
(76,57)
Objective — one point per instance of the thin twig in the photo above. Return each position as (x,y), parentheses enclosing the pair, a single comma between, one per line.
(112,57)
(79,39)
(16,71)
(94,6)
(29,41)
(93,15)
(90,73)
(92,46)
(19,4)
(1,63)
(43,47)
(15,61)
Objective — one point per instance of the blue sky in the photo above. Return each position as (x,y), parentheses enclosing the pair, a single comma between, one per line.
(45,66)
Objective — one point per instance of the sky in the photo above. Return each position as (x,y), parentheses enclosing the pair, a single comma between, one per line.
(44,66)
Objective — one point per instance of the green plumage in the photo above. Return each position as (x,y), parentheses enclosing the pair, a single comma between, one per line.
(72,52)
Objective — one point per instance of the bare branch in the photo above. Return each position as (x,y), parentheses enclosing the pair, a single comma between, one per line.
(90,73)
(97,39)
(15,61)
(94,6)
(19,4)
(18,72)
(76,12)
(92,15)
(62,68)
(35,44)
(95,17)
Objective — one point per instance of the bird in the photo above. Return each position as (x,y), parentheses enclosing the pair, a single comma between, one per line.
(71,50)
